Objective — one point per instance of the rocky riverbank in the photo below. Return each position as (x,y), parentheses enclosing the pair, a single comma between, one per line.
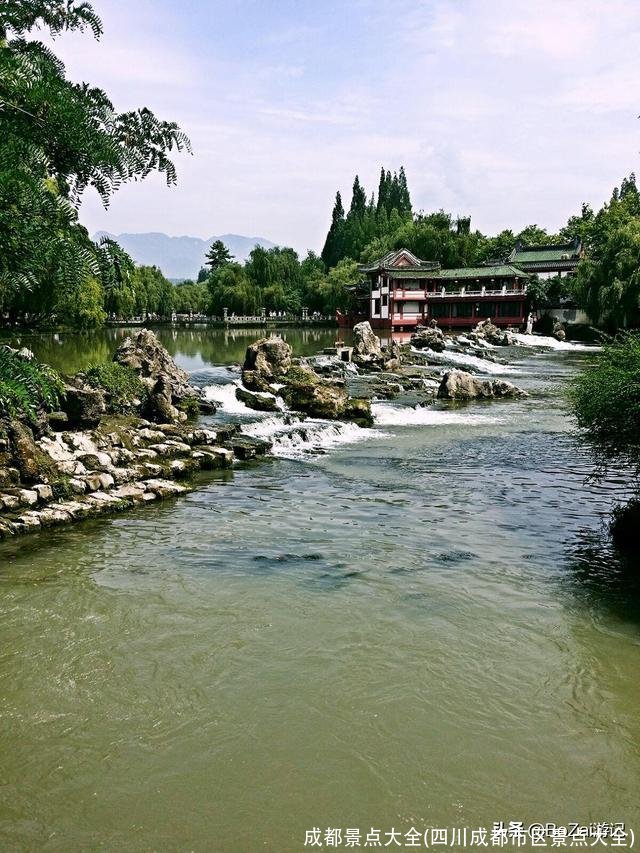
(105,451)
(125,432)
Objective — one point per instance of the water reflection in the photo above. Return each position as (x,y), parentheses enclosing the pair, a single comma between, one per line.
(192,347)
(604,577)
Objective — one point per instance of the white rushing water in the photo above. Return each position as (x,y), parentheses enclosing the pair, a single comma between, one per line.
(464,360)
(304,438)
(292,437)
(386,414)
(551,343)
(225,396)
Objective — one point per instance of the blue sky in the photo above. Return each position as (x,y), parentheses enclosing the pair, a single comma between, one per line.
(513,112)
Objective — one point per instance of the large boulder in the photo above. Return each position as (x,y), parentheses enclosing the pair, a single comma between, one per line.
(431,338)
(83,406)
(24,451)
(366,344)
(258,402)
(266,360)
(460,385)
(307,392)
(145,354)
(493,335)
(159,406)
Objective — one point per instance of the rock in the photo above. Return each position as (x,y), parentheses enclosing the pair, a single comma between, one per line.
(215,457)
(487,331)
(358,410)
(266,360)
(164,488)
(207,407)
(256,401)
(159,406)
(28,497)
(459,385)
(366,344)
(247,447)
(24,452)
(83,406)
(58,421)
(307,392)
(145,354)
(44,492)
(431,338)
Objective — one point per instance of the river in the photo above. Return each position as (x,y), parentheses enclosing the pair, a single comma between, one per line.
(418,625)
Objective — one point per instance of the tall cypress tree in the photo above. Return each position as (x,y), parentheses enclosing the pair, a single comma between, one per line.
(358,200)
(403,197)
(382,191)
(334,244)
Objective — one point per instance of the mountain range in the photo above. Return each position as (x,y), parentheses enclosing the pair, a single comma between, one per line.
(181,258)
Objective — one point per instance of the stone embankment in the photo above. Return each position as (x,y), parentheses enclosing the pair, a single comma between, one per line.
(81,474)
(89,459)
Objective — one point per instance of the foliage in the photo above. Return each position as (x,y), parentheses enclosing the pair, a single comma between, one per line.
(606,399)
(366,221)
(191,298)
(58,138)
(26,386)
(122,384)
(607,284)
(546,292)
(218,255)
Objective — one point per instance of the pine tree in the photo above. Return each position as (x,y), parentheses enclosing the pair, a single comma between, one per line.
(218,255)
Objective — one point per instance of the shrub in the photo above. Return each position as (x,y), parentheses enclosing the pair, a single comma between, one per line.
(606,399)
(26,386)
(122,385)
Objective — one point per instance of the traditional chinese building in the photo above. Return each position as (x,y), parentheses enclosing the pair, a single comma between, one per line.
(404,291)
(547,261)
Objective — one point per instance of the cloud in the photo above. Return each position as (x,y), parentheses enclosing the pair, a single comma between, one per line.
(510,111)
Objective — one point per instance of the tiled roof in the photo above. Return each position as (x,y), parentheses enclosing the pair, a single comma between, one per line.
(498,271)
(546,254)
(390,263)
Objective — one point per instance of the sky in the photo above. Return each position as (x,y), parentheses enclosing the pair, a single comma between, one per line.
(511,112)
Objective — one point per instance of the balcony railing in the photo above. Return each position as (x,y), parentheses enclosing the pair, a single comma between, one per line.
(404,293)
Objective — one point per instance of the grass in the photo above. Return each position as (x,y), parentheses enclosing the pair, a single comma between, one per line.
(123,386)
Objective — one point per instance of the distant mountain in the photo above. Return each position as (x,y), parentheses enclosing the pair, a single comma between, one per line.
(181,257)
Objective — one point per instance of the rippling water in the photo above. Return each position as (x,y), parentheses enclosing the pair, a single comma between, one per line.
(424,626)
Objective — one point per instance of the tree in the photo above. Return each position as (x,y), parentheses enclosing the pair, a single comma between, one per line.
(607,282)
(57,139)
(334,244)
(230,287)
(218,255)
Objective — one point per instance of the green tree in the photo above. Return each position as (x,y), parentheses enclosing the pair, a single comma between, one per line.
(57,139)
(218,255)
(334,243)
(607,283)
(230,287)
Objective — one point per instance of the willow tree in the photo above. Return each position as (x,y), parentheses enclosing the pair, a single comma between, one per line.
(58,139)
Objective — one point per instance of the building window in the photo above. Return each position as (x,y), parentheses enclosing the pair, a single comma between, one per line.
(376,306)
(511,309)
(440,309)
(385,300)
(461,309)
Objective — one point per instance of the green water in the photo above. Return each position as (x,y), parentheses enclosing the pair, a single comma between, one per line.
(426,627)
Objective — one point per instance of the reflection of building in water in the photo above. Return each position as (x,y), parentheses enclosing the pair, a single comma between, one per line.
(402,291)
